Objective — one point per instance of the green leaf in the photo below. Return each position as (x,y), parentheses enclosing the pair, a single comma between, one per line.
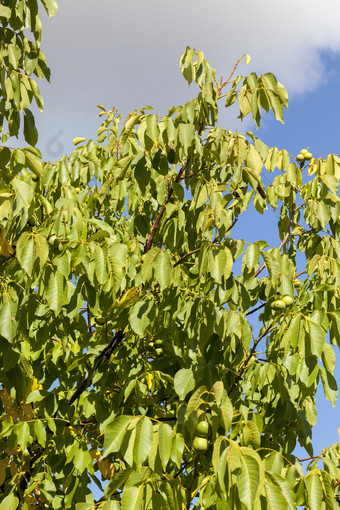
(165,443)
(78,140)
(40,432)
(34,164)
(10,502)
(314,489)
(82,460)
(163,269)
(248,481)
(5,12)
(184,382)
(100,264)
(274,498)
(132,498)
(30,130)
(8,319)
(226,410)
(143,441)
(329,385)
(141,316)
(148,264)
(51,7)
(22,431)
(56,290)
(317,337)
(114,434)
(24,192)
(32,247)
(186,134)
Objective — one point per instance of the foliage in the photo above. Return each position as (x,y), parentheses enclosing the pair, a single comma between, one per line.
(129,313)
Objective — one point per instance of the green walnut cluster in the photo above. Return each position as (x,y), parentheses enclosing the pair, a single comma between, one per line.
(304,155)
(281,304)
(158,347)
(200,443)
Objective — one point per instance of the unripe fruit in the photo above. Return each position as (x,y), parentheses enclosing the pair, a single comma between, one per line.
(200,444)
(99,320)
(297,283)
(151,345)
(202,429)
(300,157)
(159,351)
(308,156)
(278,305)
(159,342)
(57,246)
(303,151)
(287,300)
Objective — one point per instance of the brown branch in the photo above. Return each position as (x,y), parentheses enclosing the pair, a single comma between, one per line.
(246,361)
(285,239)
(185,464)
(309,458)
(198,249)
(223,84)
(255,309)
(89,318)
(88,377)
(186,256)
(167,418)
(152,234)
(192,481)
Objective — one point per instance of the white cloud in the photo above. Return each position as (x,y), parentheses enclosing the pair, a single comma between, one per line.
(127,53)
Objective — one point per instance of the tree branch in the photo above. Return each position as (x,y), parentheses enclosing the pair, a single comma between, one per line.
(152,234)
(255,309)
(198,249)
(192,481)
(285,239)
(88,377)
(246,361)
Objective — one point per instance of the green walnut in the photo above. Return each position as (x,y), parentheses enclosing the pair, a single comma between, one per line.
(308,156)
(32,222)
(202,429)
(99,320)
(297,283)
(278,305)
(288,301)
(51,240)
(151,345)
(159,351)
(159,342)
(57,246)
(303,151)
(200,444)
(300,157)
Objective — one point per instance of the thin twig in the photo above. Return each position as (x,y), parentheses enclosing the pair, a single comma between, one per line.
(285,239)
(255,309)
(308,458)
(186,464)
(152,234)
(245,363)
(230,75)
(192,481)
(88,377)
(198,249)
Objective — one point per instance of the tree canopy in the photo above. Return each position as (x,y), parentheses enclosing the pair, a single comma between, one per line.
(144,348)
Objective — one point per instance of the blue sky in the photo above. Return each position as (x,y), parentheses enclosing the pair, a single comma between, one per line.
(127,53)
